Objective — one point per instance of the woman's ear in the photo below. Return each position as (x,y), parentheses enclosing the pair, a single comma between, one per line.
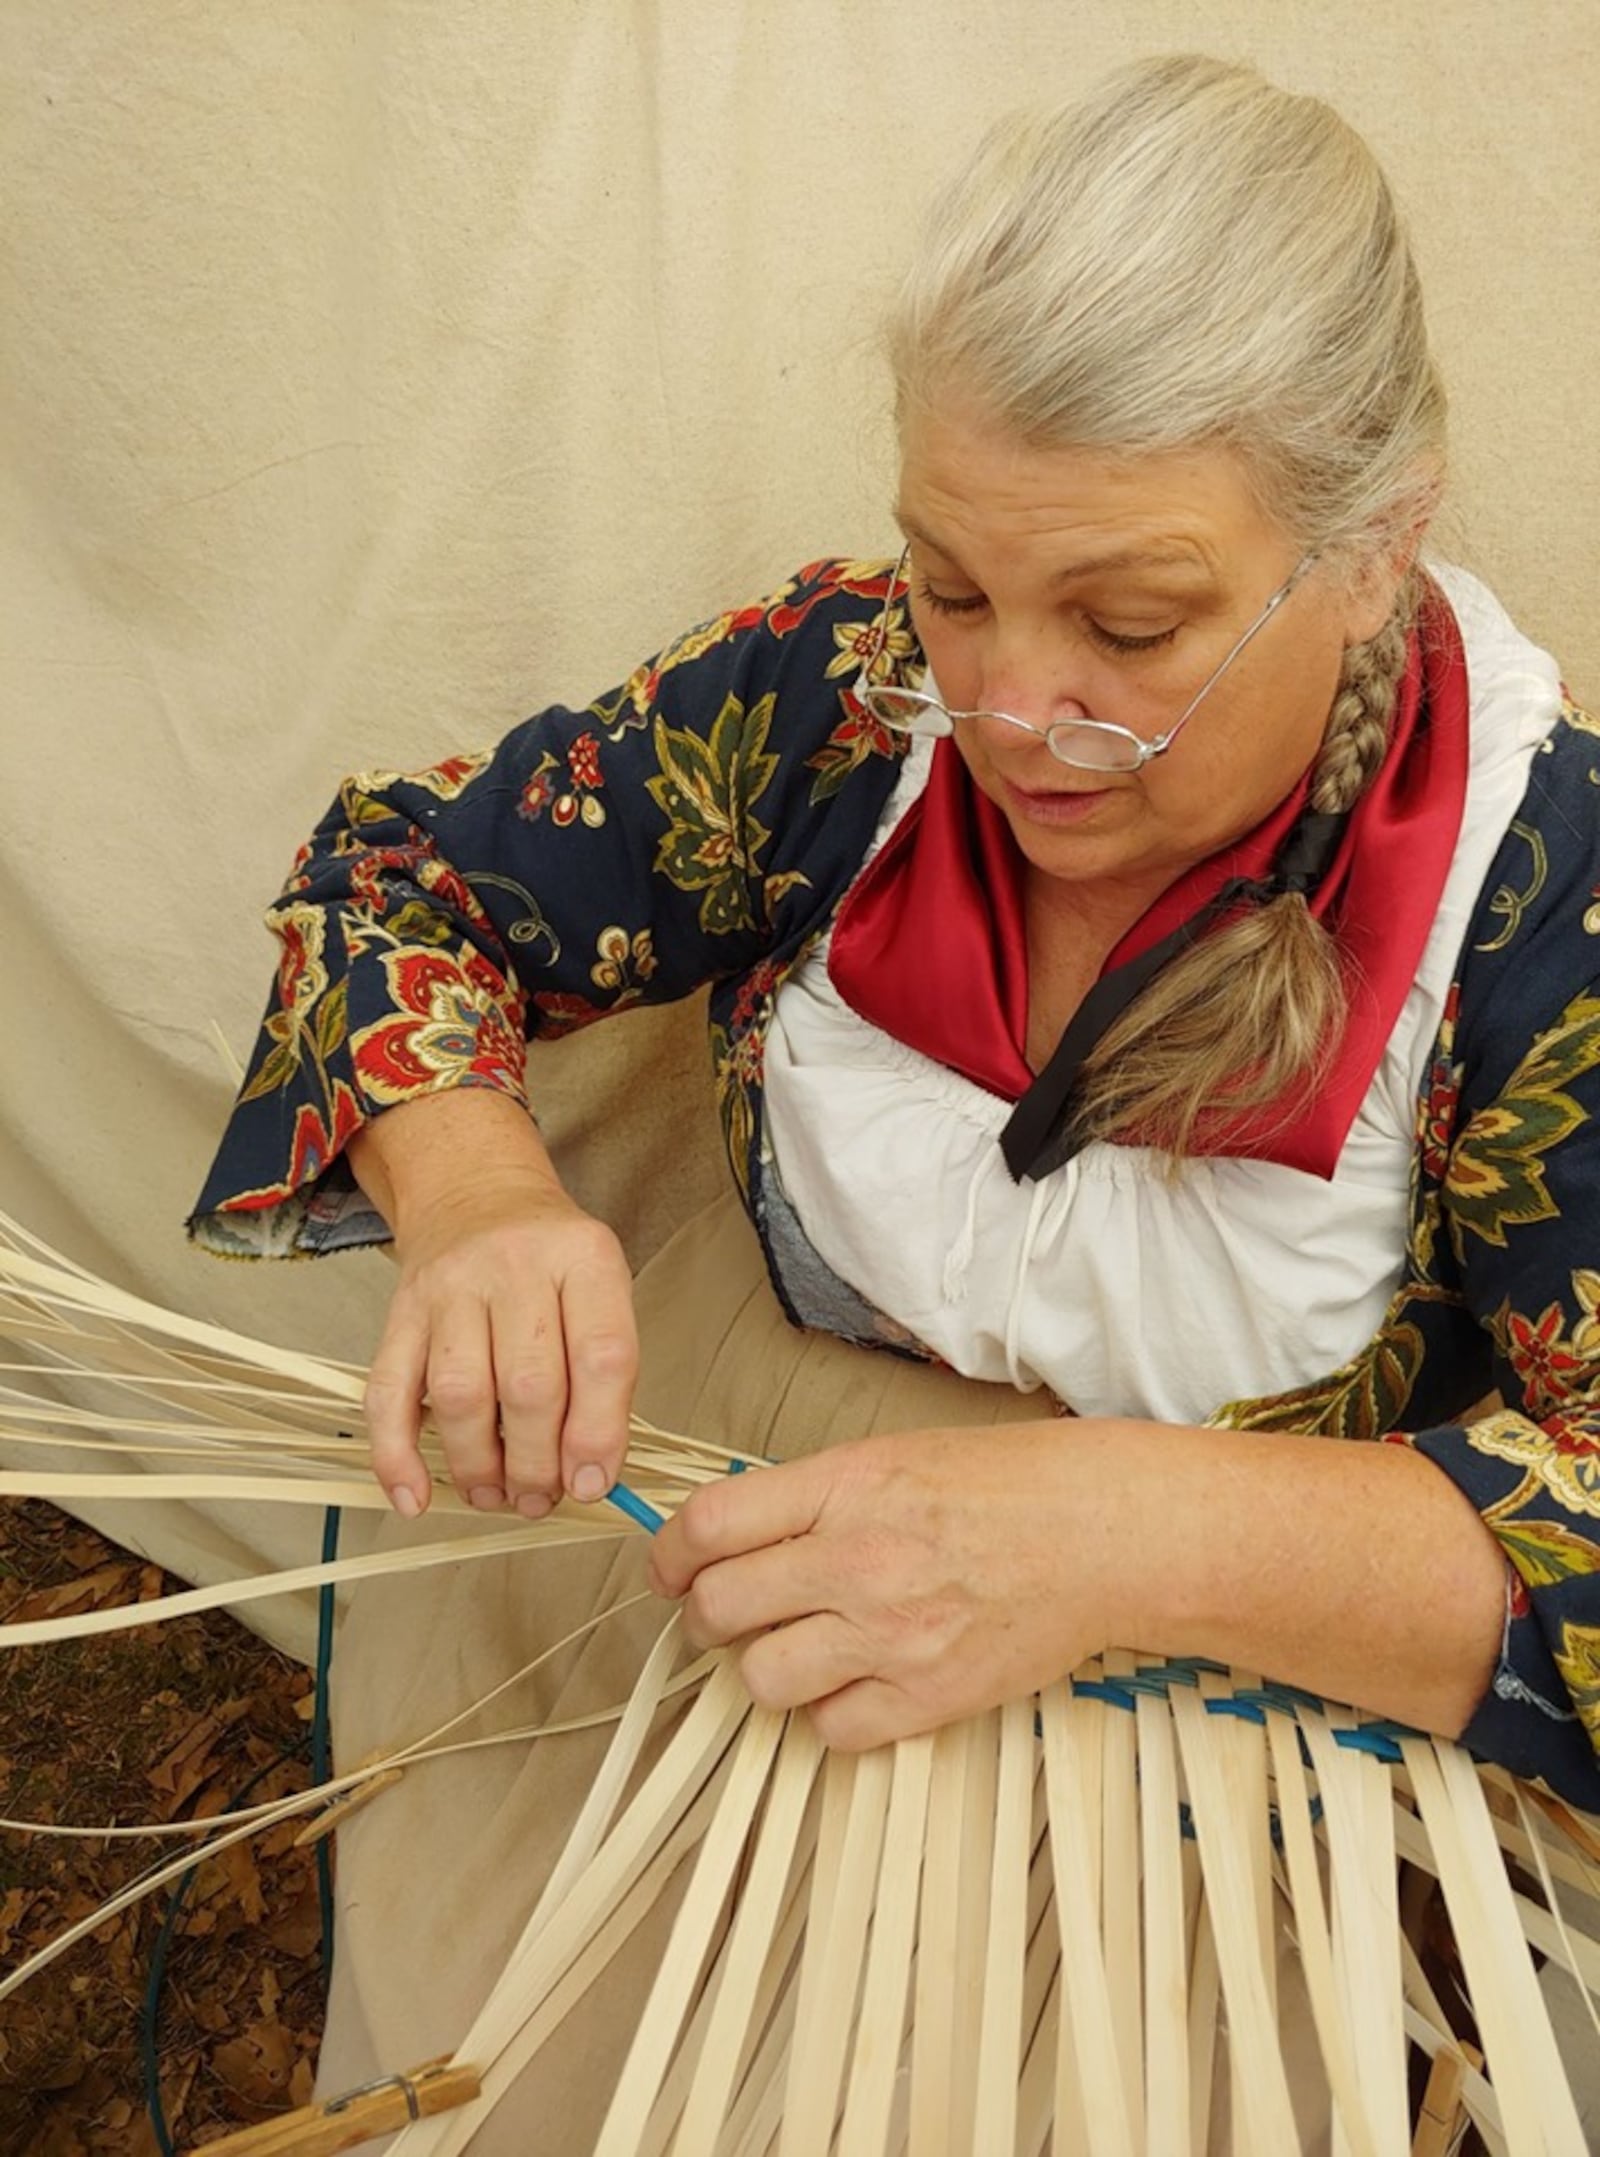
(1371,596)
(1379,571)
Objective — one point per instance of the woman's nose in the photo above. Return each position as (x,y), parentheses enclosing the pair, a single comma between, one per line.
(1029,676)
(1037,703)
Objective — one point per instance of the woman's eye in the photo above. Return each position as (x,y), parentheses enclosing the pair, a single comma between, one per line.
(943,603)
(1115,641)
(969,603)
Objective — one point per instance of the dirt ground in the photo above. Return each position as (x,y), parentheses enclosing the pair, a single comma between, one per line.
(162,1723)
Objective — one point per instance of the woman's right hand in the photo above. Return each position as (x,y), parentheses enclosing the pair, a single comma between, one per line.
(513,1318)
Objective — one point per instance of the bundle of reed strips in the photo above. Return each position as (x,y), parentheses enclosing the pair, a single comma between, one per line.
(1029,1931)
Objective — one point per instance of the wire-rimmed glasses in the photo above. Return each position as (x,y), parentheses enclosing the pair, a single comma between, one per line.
(1085,743)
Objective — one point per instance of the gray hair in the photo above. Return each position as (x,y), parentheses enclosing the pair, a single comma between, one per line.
(1190,256)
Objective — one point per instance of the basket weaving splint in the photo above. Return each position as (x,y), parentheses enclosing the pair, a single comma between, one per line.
(1083,1922)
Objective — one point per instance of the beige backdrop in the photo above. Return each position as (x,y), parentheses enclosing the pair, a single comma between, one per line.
(374,371)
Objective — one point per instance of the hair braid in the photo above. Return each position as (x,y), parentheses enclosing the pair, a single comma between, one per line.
(1357,732)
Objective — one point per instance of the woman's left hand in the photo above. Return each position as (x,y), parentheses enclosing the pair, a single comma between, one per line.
(895,1583)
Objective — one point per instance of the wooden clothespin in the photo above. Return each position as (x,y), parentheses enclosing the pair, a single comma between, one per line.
(343,2123)
(1440,2118)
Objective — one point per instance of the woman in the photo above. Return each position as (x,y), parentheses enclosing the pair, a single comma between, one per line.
(1197,1040)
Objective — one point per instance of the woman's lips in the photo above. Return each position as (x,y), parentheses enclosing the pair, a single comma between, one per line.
(1056,805)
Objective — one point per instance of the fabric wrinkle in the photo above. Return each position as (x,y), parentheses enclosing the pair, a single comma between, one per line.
(1039,1199)
(959,1256)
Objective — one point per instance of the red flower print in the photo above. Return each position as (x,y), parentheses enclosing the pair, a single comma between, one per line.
(451,775)
(440,881)
(539,788)
(1578,1441)
(577,798)
(752,994)
(312,1147)
(744,1060)
(297,880)
(860,725)
(583,761)
(366,881)
(302,976)
(1436,1117)
(561,1013)
(315,1145)
(862,580)
(1562,1451)
(1541,1358)
(857,736)
(456,1023)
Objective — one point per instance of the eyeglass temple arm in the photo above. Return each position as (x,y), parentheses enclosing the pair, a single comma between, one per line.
(880,634)
(1164,741)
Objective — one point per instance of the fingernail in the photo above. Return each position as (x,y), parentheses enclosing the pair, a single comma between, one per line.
(487,1497)
(405,1501)
(589,1483)
(533,1505)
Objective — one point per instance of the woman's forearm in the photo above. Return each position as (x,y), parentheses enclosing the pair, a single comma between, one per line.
(442,1144)
(1357,1571)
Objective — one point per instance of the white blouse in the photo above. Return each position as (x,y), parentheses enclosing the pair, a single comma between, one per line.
(1125,1292)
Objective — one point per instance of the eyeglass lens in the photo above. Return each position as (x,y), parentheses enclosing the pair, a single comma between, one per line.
(907,712)
(1093,748)
(1099,748)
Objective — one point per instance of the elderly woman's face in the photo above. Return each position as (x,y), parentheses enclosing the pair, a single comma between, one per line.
(1057,583)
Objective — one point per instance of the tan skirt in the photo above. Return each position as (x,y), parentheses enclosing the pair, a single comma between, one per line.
(437,1877)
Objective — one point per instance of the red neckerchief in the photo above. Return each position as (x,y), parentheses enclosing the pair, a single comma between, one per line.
(930,943)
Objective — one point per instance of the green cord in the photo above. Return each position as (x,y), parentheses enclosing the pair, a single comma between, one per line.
(150,2013)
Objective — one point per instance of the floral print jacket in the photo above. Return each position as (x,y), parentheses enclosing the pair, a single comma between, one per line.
(702,825)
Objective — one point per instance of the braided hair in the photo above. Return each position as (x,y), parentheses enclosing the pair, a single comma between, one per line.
(1357,732)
